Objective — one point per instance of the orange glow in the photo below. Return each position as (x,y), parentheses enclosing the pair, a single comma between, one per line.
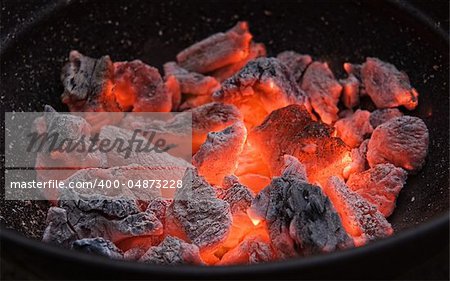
(125,95)
(255,221)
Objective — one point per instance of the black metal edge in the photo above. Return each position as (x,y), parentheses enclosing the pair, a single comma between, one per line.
(405,237)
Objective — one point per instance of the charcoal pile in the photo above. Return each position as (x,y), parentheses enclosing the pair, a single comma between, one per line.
(286,160)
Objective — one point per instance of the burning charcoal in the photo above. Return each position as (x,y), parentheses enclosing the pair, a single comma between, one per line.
(254,249)
(193,101)
(381,116)
(70,131)
(379,185)
(98,246)
(255,182)
(295,62)
(134,254)
(173,251)
(112,218)
(204,218)
(159,207)
(173,86)
(387,86)
(238,196)
(256,50)
(350,91)
(191,82)
(353,129)
(353,70)
(58,230)
(140,88)
(360,219)
(323,91)
(345,113)
(211,117)
(307,140)
(88,83)
(218,156)
(359,161)
(262,86)
(402,141)
(252,171)
(299,218)
(217,51)
(293,167)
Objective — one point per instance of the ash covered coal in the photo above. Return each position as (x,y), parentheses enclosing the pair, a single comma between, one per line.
(361,219)
(299,217)
(203,218)
(54,153)
(295,62)
(380,116)
(218,50)
(309,141)
(87,83)
(238,196)
(256,50)
(98,246)
(89,216)
(385,84)
(402,141)
(379,185)
(218,156)
(354,128)
(263,85)
(191,82)
(323,91)
(172,251)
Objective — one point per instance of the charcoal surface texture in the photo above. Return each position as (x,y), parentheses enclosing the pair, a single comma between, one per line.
(218,50)
(172,251)
(309,141)
(218,156)
(98,246)
(299,217)
(86,81)
(387,86)
(112,218)
(402,141)
(204,218)
(263,85)
(379,185)
(238,196)
(323,91)
(361,219)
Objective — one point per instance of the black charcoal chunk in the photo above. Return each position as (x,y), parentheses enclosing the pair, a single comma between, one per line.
(98,246)
(58,230)
(299,217)
(86,81)
(112,218)
(204,218)
(237,195)
(172,251)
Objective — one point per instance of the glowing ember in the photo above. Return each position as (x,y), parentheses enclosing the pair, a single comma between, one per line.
(278,193)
